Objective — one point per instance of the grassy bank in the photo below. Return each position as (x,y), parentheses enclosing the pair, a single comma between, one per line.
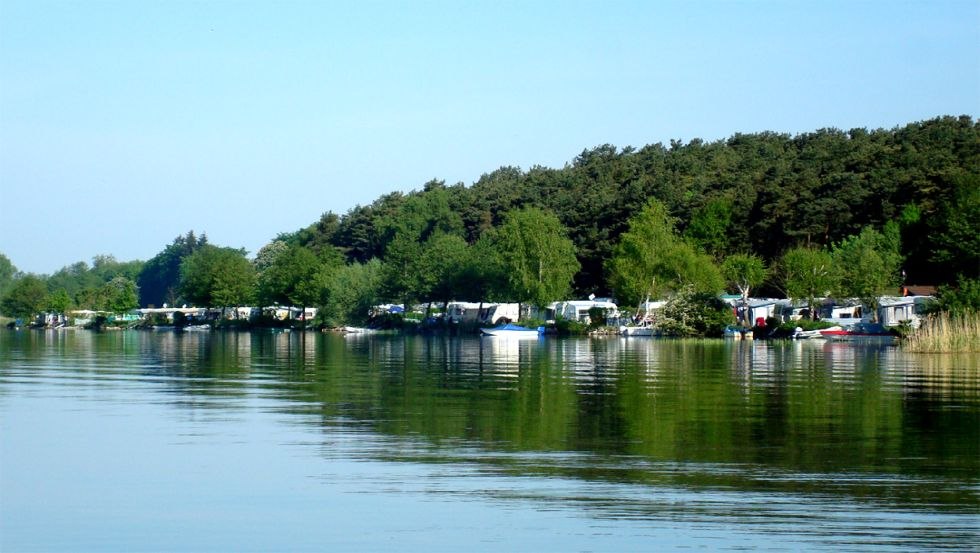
(945,333)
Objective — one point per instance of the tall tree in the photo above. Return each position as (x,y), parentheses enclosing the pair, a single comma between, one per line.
(351,292)
(159,279)
(7,273)
(59,301)
(442,268)
(807,274)
(217,277)
(708,228)
(538,257)
(119,295)
(293,278)
(744,272)
(400,281)
(652,260)
(868,264)
(26,297)
(957,233)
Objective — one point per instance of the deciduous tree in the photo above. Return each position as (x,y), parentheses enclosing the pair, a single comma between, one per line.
(26,297)
(868,265)
(159,279)
(537,256)
(217,277)
(118,295)
(744,272)
(651,260)
(351,291)
(808,273)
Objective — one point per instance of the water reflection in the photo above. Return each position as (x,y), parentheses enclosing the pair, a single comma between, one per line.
(855,440)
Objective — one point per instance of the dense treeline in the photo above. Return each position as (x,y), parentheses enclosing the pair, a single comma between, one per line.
(757,193)
(681,215)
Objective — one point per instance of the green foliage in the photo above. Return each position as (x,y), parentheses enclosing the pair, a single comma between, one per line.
(402,284)
(961,299)
(744,272)
(538,259)
(295,276)
(597,317)
(268,253)
(484,273)
(7,274)
(754,193)
(86,285)
(26,297)
(217,277)
(159,278)
(957,236)
(691,313)
(807,273)
(708,229)
(442,268)
(118,295)
(351,292)
(567,327)
(868,264)
(651,260)
(59,301)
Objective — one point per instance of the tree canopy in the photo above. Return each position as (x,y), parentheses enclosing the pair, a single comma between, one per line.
(220,277)
(651,260)
(634,221)
(537,256)
(25,297)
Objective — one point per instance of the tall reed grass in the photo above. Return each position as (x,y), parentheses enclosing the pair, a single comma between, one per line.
(945,333)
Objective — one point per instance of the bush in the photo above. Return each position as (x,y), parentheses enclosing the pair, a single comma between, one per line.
(960,299)
(568,327)
(597,317)
(692,313)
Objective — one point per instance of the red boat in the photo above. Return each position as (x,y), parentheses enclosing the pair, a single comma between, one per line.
(859,331)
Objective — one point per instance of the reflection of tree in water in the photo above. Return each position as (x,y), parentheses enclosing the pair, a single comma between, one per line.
(820,418)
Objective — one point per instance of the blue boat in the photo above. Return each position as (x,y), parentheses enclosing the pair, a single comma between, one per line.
(513,331)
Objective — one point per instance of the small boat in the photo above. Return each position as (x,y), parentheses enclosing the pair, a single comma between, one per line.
(197,328)
(638,330)
(358,330)
(800,334)
(738,333)
(513,331)
(859,332)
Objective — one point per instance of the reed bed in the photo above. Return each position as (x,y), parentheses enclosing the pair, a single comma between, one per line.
(945,333)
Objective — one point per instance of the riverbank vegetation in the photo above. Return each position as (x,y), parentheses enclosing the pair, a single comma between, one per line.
(844,212)
(946,333)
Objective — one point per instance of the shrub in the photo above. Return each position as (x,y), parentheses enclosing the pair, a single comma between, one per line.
(960,299)
(692,313)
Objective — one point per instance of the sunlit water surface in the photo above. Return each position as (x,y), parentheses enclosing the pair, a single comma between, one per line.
(143,441)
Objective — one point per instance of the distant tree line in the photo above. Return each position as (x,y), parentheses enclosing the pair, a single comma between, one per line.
(852,213)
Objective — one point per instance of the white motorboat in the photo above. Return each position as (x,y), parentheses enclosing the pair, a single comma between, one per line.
(513,331)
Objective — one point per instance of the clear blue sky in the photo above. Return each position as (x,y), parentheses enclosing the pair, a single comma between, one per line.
(125,124)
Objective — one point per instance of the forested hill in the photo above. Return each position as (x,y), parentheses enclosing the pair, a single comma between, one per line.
(760,193)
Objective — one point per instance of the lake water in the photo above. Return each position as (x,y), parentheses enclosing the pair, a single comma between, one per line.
(155,441)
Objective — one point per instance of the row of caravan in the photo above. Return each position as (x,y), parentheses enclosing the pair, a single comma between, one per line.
(497,313)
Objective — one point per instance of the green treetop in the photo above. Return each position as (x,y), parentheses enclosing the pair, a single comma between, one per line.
(217,277)
(537,256)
